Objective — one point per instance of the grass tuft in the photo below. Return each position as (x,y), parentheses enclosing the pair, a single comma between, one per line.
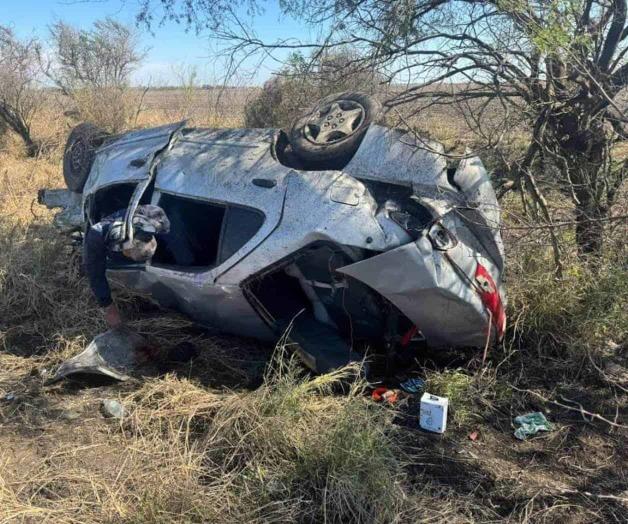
(289,448)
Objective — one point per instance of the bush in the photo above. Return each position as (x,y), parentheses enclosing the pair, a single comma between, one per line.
(111,109)
(300,84)
(277,104)
(93,67)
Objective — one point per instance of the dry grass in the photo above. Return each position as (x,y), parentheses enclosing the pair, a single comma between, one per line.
(223,440)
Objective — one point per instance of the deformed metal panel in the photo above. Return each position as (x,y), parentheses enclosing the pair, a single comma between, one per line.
(112,354)
(220,307)
(425,286)
(310,214)
(70,218)
(482,212)
(121,161)
(392,156)
(220,166)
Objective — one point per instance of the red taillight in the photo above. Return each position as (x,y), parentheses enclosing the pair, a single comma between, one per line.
(490,298)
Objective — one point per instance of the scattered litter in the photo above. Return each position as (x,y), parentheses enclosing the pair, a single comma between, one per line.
(112,409)
(413,385)
(389,395)
(530,424)
(433,415)
(9,397)
(474,435)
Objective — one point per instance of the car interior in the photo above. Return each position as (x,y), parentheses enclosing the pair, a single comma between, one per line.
(202,234)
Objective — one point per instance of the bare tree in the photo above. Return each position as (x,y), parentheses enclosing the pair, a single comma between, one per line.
(93,67)
(104,56)
(20,96)
(560,64)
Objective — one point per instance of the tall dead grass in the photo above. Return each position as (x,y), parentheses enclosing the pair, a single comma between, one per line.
(290,451)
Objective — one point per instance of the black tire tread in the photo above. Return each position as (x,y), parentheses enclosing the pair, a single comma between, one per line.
(92,137)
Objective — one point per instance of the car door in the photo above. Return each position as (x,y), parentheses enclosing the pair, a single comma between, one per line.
(231,168)
(208,183)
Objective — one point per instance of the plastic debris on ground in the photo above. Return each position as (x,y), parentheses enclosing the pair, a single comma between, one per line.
(413,385)
(384,394)
(112,409)
(433,415)
(530,424)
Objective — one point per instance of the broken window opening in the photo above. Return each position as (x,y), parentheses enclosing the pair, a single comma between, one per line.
(350,307)
(110,199)
(204,234)
(194,236)
(333,319)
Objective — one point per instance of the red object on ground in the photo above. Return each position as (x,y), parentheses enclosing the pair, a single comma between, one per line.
(383,393)
(490,298)
(474,435)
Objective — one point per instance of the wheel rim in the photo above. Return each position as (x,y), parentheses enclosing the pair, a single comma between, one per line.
(334,123)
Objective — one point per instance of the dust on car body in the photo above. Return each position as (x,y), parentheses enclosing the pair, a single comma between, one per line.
(353,234)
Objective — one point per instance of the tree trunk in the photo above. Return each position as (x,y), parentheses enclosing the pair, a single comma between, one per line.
(585,150)
(14,121)
(591,208)
(589,227)
(32,146)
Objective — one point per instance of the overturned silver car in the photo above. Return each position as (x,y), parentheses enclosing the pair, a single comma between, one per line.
(353,234)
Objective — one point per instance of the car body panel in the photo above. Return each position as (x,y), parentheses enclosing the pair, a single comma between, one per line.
(426,285)
(114,162)
(219,307)
(431,286)
(220,166)
(481,211)
(390,155)
(309,215)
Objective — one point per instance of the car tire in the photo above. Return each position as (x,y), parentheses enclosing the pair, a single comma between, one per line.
(331,132)
(79,154)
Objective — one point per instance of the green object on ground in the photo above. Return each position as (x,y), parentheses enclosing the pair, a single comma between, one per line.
(530,424)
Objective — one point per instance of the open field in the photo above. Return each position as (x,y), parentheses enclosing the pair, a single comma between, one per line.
(241,435)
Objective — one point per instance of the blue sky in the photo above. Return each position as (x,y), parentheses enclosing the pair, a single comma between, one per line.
(171,47)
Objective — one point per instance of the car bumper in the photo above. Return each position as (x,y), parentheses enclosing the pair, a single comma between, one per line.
(432,289)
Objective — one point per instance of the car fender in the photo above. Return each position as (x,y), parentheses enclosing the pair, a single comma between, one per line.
(428,287)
